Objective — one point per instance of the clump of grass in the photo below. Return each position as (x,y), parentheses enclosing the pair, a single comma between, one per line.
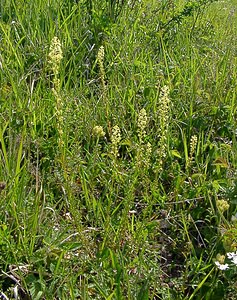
(144,150)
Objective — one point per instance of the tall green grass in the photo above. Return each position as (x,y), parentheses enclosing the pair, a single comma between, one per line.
(118,168)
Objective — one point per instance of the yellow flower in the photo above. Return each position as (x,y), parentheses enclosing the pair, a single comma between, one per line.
(141,124)
(98,131)
(101,54)
(220,258)
(222,205)
(163,130)
(55,55)
(115,140)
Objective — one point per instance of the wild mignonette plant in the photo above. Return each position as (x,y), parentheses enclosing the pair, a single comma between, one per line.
(98,131)
(54,58)
(104,87)
(163,112)
(193,145)
(115,140)
(144,150)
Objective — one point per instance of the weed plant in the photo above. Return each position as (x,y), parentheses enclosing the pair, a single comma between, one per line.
(118,153)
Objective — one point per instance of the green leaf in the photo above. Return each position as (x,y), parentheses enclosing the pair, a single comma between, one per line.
(143,293)
(175,153)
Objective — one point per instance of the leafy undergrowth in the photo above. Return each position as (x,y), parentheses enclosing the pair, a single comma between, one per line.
(118,150)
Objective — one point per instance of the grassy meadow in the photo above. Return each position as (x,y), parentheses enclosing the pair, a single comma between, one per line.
(118,151)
